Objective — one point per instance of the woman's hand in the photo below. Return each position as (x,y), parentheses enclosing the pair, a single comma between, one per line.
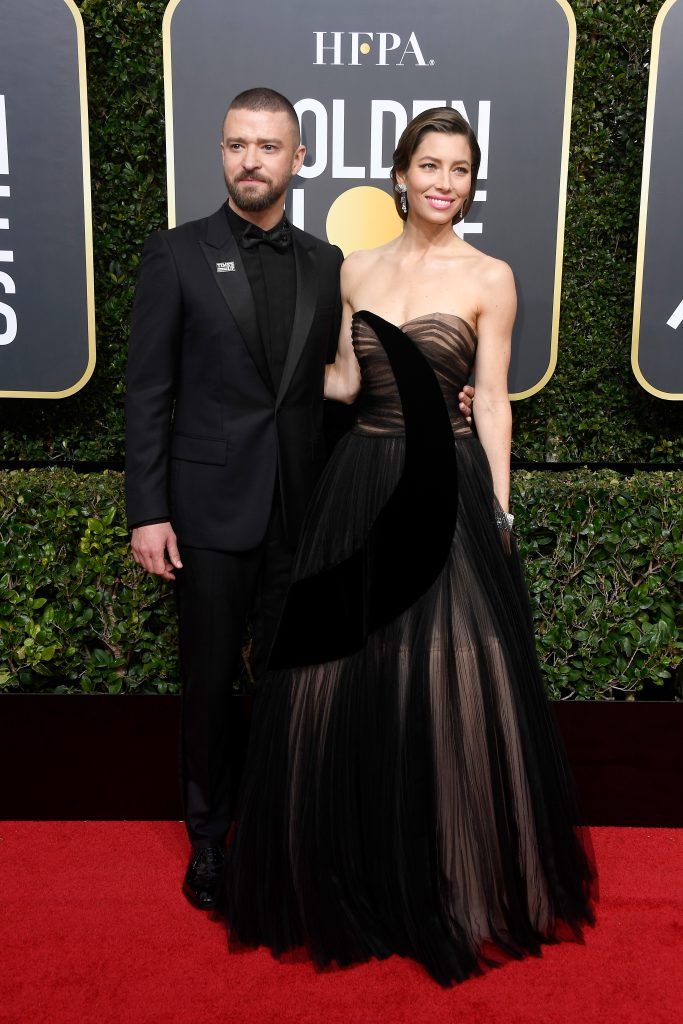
(466,398)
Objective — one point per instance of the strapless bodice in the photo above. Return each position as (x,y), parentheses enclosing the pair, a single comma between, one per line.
(446,341)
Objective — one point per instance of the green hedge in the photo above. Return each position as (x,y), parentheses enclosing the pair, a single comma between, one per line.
(75,611)
(603,557)
(591,410)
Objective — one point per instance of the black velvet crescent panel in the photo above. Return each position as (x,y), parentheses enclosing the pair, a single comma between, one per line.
(330,615)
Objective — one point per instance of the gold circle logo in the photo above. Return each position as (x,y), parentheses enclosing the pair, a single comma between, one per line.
(362,218)
(365,47)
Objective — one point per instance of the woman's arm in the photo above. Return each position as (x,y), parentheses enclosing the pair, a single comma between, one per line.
(491,406)
(342,377)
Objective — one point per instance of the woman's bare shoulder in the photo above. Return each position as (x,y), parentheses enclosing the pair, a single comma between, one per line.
(357,264)
(361,258)
(492,272)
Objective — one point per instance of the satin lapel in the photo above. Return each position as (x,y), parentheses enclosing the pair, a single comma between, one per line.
(306,297)
(235,289)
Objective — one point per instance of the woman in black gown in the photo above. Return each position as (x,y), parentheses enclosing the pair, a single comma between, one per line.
(405,791)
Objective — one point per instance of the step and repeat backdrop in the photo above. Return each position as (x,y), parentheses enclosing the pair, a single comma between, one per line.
(356,76)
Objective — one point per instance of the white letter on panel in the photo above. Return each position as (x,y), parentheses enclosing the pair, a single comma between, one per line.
(483,126)
(676,318)
(339,170)
(355,45)
(298,208)
(316,108)
(385,45)
(10,316)
(7,283)
(4,152)
(379,109)
(321,47)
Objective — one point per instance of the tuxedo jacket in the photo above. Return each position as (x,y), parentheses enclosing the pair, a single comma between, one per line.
(207,436)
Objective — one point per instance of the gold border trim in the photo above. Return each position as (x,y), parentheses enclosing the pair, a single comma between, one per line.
(87,217)
(644,196)
(168,110)
(561,208)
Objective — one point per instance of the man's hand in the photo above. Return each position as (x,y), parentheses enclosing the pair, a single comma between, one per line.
(465,397)
(150,546)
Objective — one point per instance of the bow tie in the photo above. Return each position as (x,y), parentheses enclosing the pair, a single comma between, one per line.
(279,238)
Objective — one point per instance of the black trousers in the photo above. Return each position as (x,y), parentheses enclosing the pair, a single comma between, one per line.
(215,592)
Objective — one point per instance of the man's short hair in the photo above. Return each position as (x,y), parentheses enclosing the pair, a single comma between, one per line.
(266,99)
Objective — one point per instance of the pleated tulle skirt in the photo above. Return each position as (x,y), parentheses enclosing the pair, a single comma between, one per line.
(412,797)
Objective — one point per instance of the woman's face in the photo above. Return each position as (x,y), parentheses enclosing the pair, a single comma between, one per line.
(439,177)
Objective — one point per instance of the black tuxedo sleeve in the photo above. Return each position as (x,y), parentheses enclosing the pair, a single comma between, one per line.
(150,382)
(336,319)
(147,522)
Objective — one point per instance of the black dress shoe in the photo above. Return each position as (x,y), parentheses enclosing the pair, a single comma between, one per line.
(202,876)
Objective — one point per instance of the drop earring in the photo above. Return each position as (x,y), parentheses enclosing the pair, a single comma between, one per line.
(402,190)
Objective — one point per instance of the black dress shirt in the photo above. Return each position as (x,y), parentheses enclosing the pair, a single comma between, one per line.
(271,273)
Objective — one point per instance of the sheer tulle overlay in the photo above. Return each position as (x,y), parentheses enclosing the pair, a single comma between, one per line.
(409,796)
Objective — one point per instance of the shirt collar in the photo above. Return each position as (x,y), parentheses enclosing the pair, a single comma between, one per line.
(239,224)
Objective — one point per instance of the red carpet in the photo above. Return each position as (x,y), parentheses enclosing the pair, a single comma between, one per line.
(93,928)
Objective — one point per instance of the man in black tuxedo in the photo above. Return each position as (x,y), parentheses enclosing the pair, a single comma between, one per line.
(235,317)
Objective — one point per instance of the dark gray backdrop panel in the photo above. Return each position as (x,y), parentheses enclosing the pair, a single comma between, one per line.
(514,56)
(658,323)
(39,79)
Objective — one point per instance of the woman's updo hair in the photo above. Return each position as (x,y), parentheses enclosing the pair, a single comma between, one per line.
(437,119)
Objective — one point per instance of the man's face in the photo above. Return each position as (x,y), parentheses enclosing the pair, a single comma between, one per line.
(261,154)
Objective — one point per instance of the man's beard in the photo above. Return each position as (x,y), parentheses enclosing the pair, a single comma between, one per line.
(252,201)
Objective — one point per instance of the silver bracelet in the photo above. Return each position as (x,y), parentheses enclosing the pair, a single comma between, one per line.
(504,520)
